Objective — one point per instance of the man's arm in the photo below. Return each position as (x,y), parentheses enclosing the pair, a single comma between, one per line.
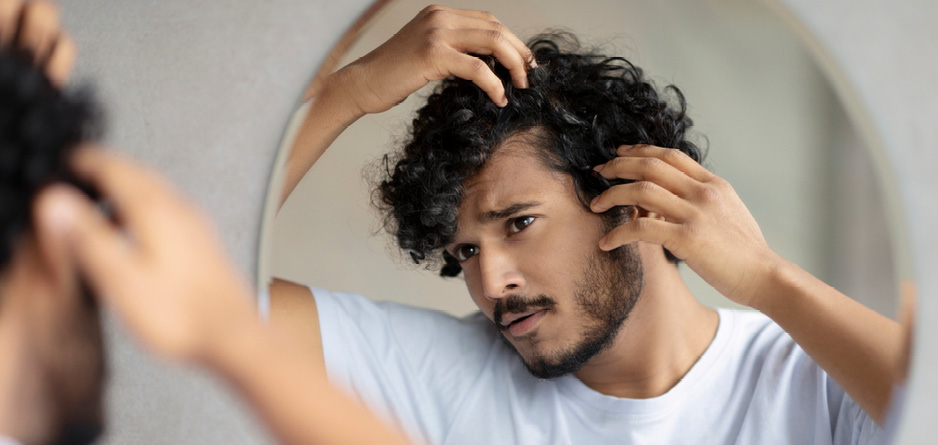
(701,220)
(433,46)
(164,273)
(293,312)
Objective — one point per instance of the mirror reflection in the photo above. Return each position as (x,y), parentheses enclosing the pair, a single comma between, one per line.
(743,186)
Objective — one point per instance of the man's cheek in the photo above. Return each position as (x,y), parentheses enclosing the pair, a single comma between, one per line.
(478,296)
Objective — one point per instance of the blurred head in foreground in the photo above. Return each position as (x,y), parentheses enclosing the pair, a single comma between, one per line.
(51,354)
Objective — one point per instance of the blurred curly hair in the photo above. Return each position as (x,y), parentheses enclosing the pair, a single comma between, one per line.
(579,108)
(39,125)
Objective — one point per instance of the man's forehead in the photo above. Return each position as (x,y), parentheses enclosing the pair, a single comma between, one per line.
(514,174)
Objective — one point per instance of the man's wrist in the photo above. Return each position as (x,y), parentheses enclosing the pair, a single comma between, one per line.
(776,288)
(235,335)
(336,98)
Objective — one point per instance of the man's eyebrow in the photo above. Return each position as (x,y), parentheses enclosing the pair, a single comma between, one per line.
(507,212)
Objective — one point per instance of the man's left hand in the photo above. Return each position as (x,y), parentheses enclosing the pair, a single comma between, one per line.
(693,213)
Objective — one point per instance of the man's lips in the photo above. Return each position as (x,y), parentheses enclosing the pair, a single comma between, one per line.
(508,319)
(525,324)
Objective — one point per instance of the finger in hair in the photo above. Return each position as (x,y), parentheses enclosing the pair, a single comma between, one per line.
(646,195)
(38,30)
(672,156)
(649,230)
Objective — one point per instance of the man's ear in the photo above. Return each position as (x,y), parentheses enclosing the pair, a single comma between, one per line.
(642,213)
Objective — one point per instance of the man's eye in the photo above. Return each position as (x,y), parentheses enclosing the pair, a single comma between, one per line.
(516,225)
(465,251)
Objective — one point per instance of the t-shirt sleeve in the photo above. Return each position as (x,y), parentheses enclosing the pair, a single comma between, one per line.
(851,424)
(807,397)
(410,365)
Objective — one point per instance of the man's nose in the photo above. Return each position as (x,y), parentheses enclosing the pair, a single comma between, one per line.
(500,274)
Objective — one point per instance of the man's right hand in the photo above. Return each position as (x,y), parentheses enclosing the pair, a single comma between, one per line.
(34,28)
(435,45)
(162,268)
(438,43)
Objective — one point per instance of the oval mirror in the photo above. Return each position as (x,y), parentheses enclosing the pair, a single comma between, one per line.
(772,123)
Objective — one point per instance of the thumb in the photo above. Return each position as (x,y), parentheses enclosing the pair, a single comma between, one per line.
(67,218)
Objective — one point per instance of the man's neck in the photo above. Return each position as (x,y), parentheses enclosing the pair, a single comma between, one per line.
(666,333)
(24,413)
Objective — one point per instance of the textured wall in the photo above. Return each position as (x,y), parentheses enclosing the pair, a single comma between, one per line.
(201,90)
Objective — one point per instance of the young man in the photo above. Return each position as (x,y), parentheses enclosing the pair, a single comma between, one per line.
(51,351)
(561,184)
(156,263)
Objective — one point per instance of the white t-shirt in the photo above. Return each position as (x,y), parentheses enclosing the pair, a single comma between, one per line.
(447,380)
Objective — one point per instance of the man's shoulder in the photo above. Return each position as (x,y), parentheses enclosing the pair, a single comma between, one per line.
(400,326)
(355,305)
(744,325)
(755,341)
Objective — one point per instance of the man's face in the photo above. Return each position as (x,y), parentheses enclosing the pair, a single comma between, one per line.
(529,251)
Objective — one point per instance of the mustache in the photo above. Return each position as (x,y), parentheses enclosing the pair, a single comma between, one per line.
(517,303)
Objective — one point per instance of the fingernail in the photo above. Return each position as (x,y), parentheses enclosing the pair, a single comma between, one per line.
(599,168)
(594,201)
(602,243)
(504,102)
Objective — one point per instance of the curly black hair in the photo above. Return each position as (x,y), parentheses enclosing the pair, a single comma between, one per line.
(579,108)
(39,125)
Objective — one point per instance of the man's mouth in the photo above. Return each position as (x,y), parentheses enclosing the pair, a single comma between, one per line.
(522,323)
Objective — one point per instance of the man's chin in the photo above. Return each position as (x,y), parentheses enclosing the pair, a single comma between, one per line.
(551,366)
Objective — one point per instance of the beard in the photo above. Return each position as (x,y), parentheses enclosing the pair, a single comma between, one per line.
(606,293)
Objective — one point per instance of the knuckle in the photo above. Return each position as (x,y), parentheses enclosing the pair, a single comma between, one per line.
(478,67)
(646,188)
(614,165)
(498,26)
(652,163)
(709,193)
(496,37)
(436,15)
(641,225)
(672,156)
(434,33)
(720,183)
(487,15)
(431,8)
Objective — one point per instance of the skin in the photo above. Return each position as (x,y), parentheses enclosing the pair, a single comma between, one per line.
(700,218)
(192,307)
(195,308)
(682,207)
(430,47)
(668,329)
(51,354)
(543,248)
